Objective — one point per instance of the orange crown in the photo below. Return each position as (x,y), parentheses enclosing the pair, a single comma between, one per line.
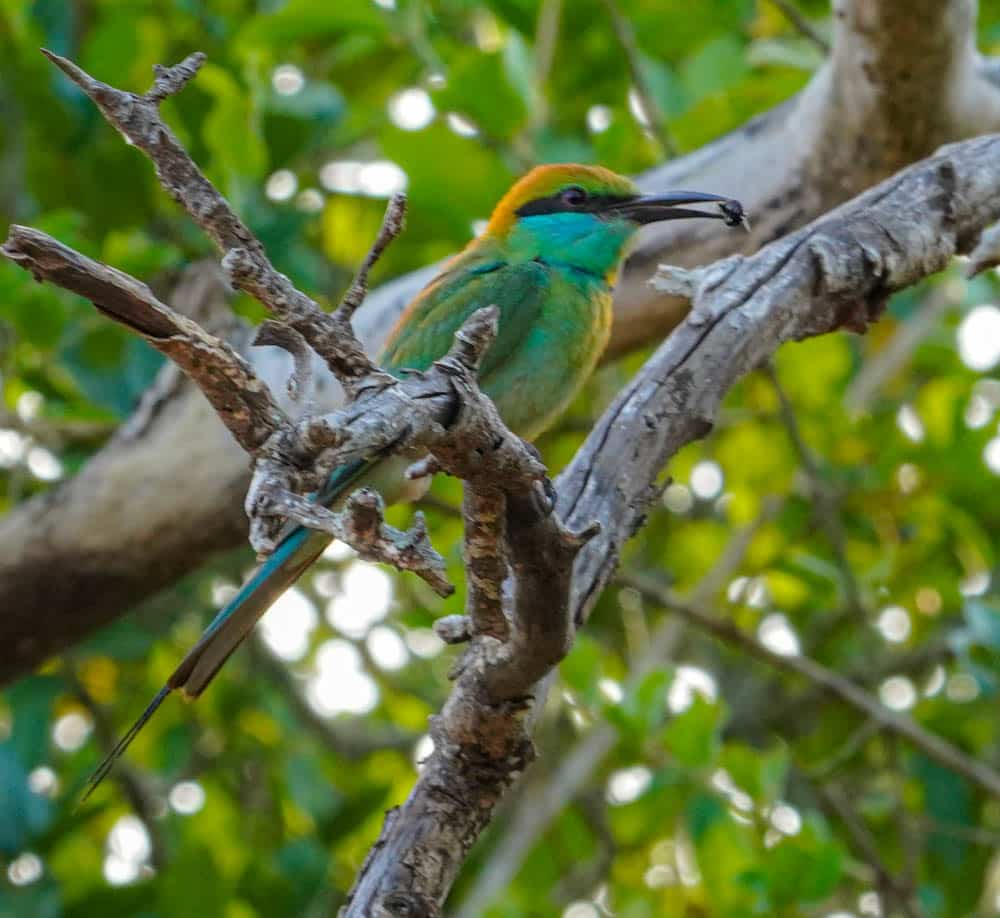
(543,181)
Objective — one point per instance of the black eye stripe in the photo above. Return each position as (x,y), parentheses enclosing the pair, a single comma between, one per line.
(555,204)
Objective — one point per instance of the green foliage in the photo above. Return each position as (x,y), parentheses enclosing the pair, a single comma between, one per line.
(710,797)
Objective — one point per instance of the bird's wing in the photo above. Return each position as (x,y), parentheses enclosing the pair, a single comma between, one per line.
(427,328)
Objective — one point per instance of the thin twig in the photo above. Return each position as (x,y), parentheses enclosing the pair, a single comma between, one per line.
(393,223)
(138,119)
(913,662)
(909,843)
(838,805)
(824,504)
(846,750)
(244,404)
(974,835)
(794,15)
(657,122)
(300,380)
(546,39)
(932,745)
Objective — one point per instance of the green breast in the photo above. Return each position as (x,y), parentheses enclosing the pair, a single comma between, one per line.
(556,356)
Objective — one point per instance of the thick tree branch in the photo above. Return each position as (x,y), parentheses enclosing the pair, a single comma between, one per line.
(903,79)
(836,273)
(542,802)
(482,739)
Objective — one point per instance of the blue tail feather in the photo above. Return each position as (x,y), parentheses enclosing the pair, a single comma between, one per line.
(293,555)
(293,541)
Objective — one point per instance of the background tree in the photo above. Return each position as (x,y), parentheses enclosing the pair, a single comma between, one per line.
(769,745)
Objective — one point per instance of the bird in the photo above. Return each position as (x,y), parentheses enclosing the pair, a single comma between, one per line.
(548,260)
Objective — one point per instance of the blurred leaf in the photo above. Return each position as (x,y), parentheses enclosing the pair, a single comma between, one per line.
(124,639)
(478,88)
(313,20)
(692,736)
(26,814)
(760,774)
(111,366)
(804,867)
(316,101)
(983,619)
(581,668)
(716,66)
(232,116)
(196,886)
(309,787)
(31,702)
(40,900)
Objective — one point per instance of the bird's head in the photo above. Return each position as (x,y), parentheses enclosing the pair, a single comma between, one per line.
(585,216)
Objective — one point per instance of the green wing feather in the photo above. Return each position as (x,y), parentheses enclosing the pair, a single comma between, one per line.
(427,329)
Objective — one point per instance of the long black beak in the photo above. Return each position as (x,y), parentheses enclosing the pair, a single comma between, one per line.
(653,208)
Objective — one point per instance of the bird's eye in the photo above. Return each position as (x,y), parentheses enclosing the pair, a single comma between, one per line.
(574,196)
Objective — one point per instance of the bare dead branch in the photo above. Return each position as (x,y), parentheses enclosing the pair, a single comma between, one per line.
(138,119)
(392,225)
(835,273)
(481,738)
(541,803)
(288,339)
(242,402)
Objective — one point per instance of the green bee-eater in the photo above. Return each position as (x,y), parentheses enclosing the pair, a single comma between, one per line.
(548,259)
